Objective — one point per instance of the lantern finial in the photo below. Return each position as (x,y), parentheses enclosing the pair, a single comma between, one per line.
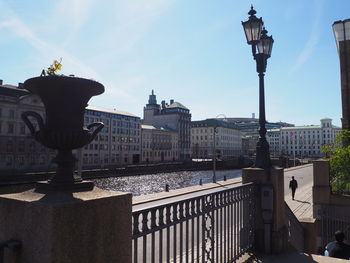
(252,12)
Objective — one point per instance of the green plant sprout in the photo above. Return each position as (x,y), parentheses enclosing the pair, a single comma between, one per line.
(54,67)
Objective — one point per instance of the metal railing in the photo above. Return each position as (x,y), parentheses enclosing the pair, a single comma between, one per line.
(295,229)
(333,218)
(215,227)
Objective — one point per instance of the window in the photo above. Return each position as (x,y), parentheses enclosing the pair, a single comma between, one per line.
(9,146)
(21,146)
(22,129)
(10,127)
(11,114)
(9,160)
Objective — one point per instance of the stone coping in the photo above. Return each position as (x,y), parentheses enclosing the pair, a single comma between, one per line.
(297,167)
(137,200)
(62,197)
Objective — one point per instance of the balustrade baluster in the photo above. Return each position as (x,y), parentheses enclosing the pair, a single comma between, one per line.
(235,225)
(192,209)
(144,229)
(175,218)
(168,221)
(153,241)
(187,215)
(160,224)
(221,227)
(231,224)
(135,232)
(225,226)
(198,218)
(181,216)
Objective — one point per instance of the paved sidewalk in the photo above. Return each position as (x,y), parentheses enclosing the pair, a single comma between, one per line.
(293,257)
(302,206)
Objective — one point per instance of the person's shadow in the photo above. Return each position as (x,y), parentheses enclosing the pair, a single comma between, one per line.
(299,201)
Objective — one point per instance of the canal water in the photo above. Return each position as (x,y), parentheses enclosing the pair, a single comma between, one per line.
(154,183)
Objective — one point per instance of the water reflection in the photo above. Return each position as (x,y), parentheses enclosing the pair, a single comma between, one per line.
(154,183)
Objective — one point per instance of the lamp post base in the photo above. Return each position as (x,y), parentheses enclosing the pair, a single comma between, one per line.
(262,154)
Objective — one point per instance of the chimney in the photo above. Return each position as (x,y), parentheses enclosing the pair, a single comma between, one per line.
(253,115)
(171,101)
(20,85)
(0,81)
(163,104)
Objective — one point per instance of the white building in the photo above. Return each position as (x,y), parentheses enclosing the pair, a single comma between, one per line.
(228,139)
(302,141)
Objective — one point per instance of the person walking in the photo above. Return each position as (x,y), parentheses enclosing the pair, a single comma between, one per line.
(337,248)
(293,184)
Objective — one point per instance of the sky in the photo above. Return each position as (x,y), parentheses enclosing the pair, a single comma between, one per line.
(192,51)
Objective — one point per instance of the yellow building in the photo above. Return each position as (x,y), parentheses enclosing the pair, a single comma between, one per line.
(159,144)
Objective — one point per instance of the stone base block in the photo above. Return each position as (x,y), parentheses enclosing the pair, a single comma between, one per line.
(321,194)
(321,172)
(92,226)
(273,177)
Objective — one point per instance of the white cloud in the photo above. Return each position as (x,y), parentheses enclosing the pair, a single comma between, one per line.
(46,50)
(128,22)
(72,14)
(313,40)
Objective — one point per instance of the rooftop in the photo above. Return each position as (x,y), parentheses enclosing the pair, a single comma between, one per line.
(213,123)
(12,91)
(176,104)
(111,111)
(158,128)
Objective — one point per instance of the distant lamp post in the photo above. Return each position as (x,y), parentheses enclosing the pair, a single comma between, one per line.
(261,44)
(215,130)
(341,31)
(214,154)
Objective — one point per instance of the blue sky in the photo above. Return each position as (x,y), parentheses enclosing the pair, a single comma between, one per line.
(192,51)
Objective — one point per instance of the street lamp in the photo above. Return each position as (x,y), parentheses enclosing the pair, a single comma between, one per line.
(215,130)
(214,153)
(261,44)
(341,31)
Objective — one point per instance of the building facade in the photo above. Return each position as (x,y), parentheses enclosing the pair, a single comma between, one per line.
(228,139)
(18,149)
(117,144)
(249,145)
(174,116)
(159,144)
(302,141)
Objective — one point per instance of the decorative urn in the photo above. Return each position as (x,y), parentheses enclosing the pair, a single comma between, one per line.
(65,99)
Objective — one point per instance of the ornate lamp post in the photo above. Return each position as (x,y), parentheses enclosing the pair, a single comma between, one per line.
(261,44)
(214,153)
(341,31)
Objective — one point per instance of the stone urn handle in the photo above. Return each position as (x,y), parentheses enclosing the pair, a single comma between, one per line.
(99,125)
(36,116)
